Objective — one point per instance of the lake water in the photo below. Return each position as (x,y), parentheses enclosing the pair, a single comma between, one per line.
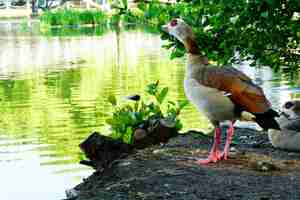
(53,94)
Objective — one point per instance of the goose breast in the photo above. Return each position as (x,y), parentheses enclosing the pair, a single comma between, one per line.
(211,101)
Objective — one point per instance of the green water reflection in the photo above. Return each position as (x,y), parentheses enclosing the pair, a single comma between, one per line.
(53,91)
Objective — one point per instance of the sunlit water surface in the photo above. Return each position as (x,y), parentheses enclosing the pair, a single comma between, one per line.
(53,94)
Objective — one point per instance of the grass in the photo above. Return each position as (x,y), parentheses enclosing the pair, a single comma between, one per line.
(71,17)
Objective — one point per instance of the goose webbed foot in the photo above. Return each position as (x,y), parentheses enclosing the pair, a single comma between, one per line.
(215,154)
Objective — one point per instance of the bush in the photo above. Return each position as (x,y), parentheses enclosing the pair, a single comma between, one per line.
(126,118)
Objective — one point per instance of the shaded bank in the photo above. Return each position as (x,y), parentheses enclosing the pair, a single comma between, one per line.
(254,171)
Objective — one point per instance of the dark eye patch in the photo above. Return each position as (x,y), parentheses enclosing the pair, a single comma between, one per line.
(288,105)
(173,22)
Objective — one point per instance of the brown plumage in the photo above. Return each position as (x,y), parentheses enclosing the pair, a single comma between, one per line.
(243,92)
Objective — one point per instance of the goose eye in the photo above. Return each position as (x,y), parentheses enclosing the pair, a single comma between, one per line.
(288,105)
(173,22)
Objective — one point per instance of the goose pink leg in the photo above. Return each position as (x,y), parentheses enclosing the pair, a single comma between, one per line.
(229,137)
(215,153)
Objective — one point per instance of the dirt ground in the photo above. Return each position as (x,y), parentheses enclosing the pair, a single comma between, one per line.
(255,171)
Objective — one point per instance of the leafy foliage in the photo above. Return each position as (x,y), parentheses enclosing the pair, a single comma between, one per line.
(122,12)
(126,118)
(266,32)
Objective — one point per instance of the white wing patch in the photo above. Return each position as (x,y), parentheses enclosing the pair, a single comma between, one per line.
(226,94)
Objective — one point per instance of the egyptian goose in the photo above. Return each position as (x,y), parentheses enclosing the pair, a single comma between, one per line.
(289,136)
(222,93)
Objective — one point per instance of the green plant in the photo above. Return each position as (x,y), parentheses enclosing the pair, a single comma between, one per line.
(71,17)
(126,118)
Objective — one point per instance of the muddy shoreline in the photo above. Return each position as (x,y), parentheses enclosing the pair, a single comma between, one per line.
(255,171)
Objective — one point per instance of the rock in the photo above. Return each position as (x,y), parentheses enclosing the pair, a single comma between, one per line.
(124,163)
(72,193)
(158,131)
(244,137)
(167,123)
(102,150)
(157,151)
(140,134)
(265,166)
(233,150)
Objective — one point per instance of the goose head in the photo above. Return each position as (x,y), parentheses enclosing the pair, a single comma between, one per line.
(291,109)
(179,29)
(184,33)
(289,136)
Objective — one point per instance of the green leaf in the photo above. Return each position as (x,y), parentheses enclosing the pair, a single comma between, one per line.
(182,103)
(115,134)
(126,118)
(178,125)
(177,53)
(168,46)
(264,14)
(272,2)
(125,4)
(172,103)
(109,121)
(127,137)
(141,6)
(82,156)
(172,113)
(152,107)
(162,95)
(112,99)
(165,36)
(152,88)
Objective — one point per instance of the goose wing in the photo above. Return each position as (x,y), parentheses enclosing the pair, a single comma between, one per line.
(243,92)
